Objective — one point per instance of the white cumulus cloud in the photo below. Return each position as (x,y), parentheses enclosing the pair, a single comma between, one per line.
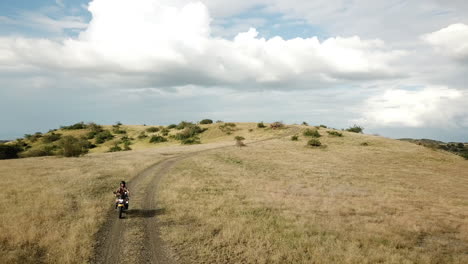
(429,107)
(170,42)
(452,40)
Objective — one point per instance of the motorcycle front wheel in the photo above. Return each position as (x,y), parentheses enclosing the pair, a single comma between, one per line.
(120,211)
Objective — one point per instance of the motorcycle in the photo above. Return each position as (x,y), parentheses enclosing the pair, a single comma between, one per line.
(122,203)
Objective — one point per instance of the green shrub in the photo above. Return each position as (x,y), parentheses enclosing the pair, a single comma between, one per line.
(189,132)
(277,125)
(52,137)
(171,126)
(184,124)
(165,132)
(464,155)
(206,121)
(39,151)
(261,125)
(103,136)
(119,131)
(127,146)
(364,144)
(33,138)
(80,125)
(335,133)
(250,130)
(71,146)
(324,126)
(93,127)
(228,128)
(239,141)
(295,138)
(190,141)
(115,148)
(91,134)
(157,139)
(142,135)
(305,123)
(9,151)
(126,139)
(152,129)
(355,129)
(311,133)
(314,143)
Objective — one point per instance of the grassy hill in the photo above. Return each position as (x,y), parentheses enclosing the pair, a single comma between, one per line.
(354,199)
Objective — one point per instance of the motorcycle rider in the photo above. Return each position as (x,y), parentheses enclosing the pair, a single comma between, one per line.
(123,192)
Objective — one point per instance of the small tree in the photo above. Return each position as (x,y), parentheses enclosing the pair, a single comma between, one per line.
(261,125)
(305,123)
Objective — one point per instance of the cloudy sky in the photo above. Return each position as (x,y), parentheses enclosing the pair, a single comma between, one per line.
(396,67)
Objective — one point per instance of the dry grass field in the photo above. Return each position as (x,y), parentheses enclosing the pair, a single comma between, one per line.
(273,201)
(52,207)
(384,201)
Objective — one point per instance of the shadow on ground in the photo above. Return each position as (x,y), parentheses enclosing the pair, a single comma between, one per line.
(141,213)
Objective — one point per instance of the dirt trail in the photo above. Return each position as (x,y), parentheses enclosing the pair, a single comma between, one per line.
(136,238)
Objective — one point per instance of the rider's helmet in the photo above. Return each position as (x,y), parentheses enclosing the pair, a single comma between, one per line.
(123,183)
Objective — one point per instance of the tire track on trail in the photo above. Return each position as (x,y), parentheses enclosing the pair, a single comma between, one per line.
(136,238)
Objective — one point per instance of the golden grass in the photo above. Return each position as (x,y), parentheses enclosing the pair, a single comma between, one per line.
(52,207)
(280,202)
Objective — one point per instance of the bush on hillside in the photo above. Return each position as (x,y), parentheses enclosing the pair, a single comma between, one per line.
(295,138)
(311,133)
(119,131)
(152,129)
(305,123)
(9,151)
(142,135)
(115,148)
(189,132)
(314,143)
(261,125)
(277,125)
(206,121)
(95,127)
(335,133)
(80,125)
(71,146)
(165,132)
(33,138)
(228,128)
(52,137)
(103,136)
(184,124)
(39,151)
(239,141)
(190,141)
(171,126)
(157,139)
(355,129)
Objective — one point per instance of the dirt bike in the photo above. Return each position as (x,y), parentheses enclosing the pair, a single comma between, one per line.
(122,203)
